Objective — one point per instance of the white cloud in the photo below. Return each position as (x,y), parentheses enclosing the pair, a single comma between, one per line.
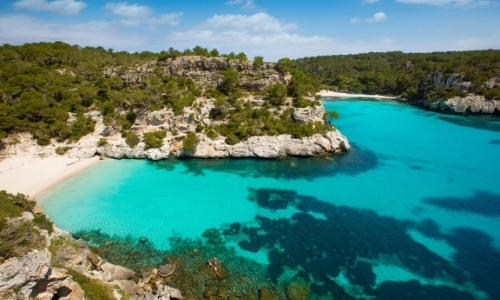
(20,29)
(377,17)
(242,3)
(458,3)
(124,10)
(60,7)
(135,15)
(256,34)
(370,1)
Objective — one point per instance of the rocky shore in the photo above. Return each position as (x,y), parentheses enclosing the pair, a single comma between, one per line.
(471,104)
(115,145)
(53,272)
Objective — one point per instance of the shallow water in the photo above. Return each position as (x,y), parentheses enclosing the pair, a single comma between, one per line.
(412,211)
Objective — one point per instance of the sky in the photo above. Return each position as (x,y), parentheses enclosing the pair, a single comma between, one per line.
(270,28)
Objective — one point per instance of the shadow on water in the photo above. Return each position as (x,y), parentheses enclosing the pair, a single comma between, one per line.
(346,239)
(483,203)
(475,253)
(358,160)
(494,142)
(317,244)
(486,122)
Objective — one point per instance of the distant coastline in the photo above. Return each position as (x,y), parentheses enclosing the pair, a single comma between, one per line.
(333,94)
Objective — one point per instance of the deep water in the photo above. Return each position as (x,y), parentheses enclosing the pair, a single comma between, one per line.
(412,212)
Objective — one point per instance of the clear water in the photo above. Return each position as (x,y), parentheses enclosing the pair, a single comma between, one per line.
(413,211)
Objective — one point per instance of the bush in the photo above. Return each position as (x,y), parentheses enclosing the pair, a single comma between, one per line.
(41,221)
(62,150)
(189,143)
(94,289)
(154,139)
(102,142)
(276,94)
(131,139)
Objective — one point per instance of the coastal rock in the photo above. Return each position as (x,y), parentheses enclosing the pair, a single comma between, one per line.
(462,105)
(116,272)
(118,148)
(32,276)
(166,270)
(274,146)
(308,114)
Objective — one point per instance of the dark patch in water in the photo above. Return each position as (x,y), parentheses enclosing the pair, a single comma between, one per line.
(415,167)
(486,122)
(414,290)
(322,247)
(418,210)
(494,142)
(482,203)
(358,160)
(477,254)
(362,274)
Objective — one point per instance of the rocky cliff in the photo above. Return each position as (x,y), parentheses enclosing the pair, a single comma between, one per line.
(55,271)
(466,103)
(204,71)
(470,104)
(177,127)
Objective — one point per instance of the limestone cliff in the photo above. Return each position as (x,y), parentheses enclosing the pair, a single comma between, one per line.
(177,127)
(465,103)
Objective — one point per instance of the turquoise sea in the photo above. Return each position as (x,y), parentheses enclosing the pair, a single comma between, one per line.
(412,212)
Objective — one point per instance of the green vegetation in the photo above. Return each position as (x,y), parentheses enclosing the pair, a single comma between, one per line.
(49,90)
(102,142)
(398,73)
(189,142)
(62,150)
(94,289)
(154,139)
(131,139)
(19,237)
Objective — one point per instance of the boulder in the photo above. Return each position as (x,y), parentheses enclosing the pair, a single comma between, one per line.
(95,260)
(166,270)
(309,114)
(116,272)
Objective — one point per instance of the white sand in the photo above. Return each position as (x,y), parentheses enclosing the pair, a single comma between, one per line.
(34,175)
(333,94)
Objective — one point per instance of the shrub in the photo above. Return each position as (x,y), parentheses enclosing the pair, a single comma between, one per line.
(102,142)
(154,139)
(94,289)
(41,221)
(189,143)
(62,150)
(131,139)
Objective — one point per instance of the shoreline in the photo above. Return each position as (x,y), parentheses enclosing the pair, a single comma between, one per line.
(34,176)
(333,94)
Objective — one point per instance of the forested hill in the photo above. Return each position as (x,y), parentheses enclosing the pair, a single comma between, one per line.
(59,93)
(398,73)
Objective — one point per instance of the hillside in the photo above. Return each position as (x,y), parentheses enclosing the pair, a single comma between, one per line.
(418,77)
(156,105)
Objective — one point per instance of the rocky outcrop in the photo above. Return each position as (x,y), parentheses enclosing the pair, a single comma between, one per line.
(471,104)
(309,114)
(438,80)
(273,146)
(32,276)
(204,71)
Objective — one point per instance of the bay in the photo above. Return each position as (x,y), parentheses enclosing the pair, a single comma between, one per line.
(412,210)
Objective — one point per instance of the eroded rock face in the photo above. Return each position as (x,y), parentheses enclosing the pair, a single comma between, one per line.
(32,276)
(274,146)
(462,105)
(308,114)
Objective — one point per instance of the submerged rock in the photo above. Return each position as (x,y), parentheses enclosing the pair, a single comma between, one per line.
(166,270)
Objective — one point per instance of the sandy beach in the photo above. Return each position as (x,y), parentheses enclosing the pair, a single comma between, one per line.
(332,94)
(33,176)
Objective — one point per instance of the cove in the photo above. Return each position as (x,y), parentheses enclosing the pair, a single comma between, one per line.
(411,212)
